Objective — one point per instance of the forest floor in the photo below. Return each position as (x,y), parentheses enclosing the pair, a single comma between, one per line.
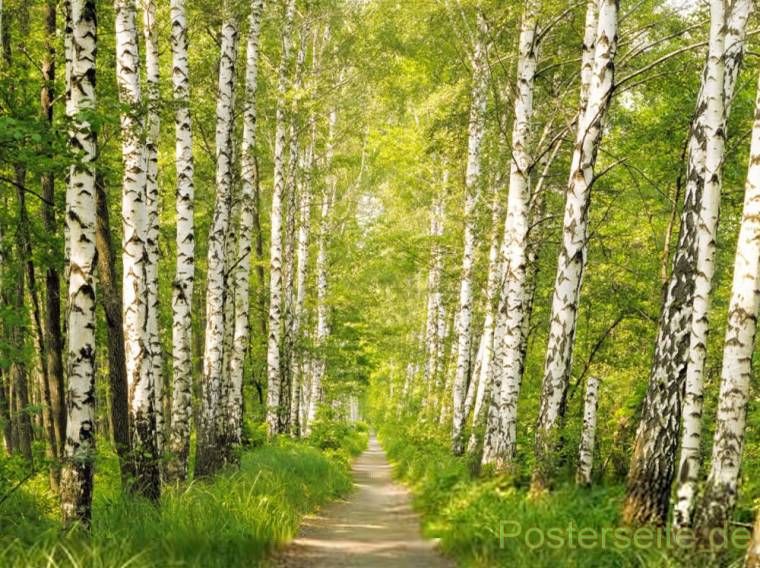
(374,527)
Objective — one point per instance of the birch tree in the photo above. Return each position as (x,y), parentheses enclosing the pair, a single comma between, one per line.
(184,279)
(588,432)
(476,129)
(274,343)
(152,131)
(721,488)
(322,328)
(434,299)
(574,248)
(483,372)
(653,462)
(79,449)
(142,402)
(691,435)
(209,453)
(243,268)
(508,343)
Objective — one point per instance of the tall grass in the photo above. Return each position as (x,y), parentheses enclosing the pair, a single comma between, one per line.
(236,519)
(494,521)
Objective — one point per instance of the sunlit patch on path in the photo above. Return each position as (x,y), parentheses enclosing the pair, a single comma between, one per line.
(375,526)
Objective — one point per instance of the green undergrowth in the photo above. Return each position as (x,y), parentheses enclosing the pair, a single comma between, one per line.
(494,521)
(236,519)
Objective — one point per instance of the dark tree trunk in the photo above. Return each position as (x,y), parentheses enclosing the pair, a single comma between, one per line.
(110,297)
(52,334)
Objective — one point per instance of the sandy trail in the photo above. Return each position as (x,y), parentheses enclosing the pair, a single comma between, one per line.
(374,527)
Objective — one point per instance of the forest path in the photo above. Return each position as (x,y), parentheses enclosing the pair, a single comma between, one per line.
(374,527)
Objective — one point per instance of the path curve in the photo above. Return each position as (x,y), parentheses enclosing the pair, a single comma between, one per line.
(374,527)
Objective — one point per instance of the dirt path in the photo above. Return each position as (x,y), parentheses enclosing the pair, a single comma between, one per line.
(374,527)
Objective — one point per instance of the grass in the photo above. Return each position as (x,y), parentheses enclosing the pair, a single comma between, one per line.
(236,519)
(493,521)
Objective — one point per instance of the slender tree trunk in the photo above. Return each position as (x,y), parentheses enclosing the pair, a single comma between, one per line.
(153,95)
(691,436)
(293,185)
(52,331)
(483,369)
(432,363)
(508,345)
(209,454)
(323,327)
(484,355)
(18,369)
(302,264)
(5,417)
(721,489)
(653,462)
(142,402)
(184,279)
(574,250)
(588,433)
(274,345)
(110,298)
(476,130)
(79,450)
(243,268)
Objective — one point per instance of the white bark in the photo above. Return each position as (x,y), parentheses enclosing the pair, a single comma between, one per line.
(723,65)
(142,402)
(481,369)
(483,374)
(302,265)
(721,488)
(500,446)
(653,464)
(431,369)
(243,268)
(588,433)
(476,130)
(182,294)
(574,249)
(322,329)
(293,184)
(274,342)
(79,450)
(213,356)
(153,95)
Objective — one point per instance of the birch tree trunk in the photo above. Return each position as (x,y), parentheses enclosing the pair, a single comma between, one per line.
(153,95)
(508,345)
(574,249)
(243,268)
(721,488)
(134,256)
(292,186)
(79,450)
(476,129)
(432,363)
(184,279)
(653,462)
(322,330)
(304,231)
(483,374)
(209,453)
(588,433)
(274,344)
(691,436)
